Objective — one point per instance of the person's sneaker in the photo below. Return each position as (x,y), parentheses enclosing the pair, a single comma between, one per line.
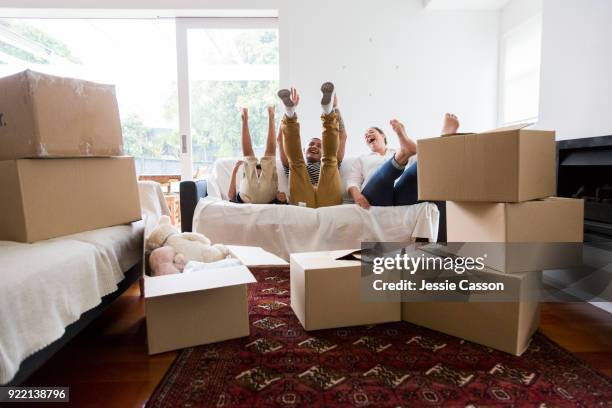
(327,89)
(285,97)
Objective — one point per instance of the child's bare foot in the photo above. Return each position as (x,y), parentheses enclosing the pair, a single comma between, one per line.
(245,114)
(407,146)
(451,124)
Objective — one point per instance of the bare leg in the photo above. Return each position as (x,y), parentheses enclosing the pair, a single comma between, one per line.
(451,124)
(270,141)
(407,146)
(247,145)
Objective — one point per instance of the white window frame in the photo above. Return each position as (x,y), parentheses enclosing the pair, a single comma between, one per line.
(183,24)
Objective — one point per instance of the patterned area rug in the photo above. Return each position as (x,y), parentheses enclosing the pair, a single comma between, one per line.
(386,365)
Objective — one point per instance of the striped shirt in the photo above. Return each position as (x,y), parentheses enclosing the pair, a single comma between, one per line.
(314,170)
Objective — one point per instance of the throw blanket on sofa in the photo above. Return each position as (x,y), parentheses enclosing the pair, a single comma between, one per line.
(284,229)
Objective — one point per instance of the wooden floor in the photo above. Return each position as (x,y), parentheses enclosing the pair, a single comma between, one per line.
(107,364)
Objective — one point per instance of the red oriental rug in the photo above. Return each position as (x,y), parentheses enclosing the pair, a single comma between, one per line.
(386,365)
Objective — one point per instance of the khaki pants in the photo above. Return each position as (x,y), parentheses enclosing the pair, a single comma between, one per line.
(260,189)
(329,189)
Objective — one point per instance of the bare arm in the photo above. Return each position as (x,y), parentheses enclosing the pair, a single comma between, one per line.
(231,192)
(354,181)
(281,148)
(359,198)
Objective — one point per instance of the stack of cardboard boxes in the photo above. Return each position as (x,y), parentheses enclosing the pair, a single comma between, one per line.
(61,164)
(498,186)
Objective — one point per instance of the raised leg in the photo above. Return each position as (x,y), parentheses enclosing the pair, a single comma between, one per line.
(300,188)
(270,141)
(247,145)
(329,189)
(406,191)
(380,188)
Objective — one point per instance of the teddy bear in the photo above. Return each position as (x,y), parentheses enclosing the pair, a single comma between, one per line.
(161,261)
(188,246)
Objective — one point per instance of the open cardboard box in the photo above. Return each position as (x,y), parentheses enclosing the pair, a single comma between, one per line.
(190,309)
(326,292)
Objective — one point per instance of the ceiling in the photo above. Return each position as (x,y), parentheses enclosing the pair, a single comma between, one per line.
(464,4)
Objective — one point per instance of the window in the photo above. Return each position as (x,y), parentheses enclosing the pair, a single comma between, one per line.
(231,63)
(211,67)
(138,56)
(520,73)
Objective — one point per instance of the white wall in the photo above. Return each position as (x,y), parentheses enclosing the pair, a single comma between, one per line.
(517,12)
(576,75)
(390,58)
(393,59)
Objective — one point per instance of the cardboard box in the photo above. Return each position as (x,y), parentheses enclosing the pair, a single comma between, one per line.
(327,293)
(502,324)
(190,309)
(46,198)
(527,236)
(47,116)
(504,165)
(505,326)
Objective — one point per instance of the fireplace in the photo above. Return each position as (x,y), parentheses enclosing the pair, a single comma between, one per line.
(585,171)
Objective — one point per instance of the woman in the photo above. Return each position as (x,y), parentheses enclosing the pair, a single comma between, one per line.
(386,177)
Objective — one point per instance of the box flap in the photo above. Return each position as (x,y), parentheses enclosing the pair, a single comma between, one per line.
(194,282)
(459,134)
(327,259)
(508,128)
(348,255)
(255,256)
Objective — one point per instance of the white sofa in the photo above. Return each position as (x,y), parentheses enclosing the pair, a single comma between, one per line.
(51,289)
(285,229)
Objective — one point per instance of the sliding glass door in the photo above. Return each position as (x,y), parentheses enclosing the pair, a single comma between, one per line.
(223,64)
(138,56)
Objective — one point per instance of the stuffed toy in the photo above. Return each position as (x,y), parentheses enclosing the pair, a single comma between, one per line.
(161,261)
(189,246)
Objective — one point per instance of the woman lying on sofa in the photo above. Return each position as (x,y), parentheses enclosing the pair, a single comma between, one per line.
(260,181)
(385,177)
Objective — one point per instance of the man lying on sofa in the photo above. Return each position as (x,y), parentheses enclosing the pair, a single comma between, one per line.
(310,183)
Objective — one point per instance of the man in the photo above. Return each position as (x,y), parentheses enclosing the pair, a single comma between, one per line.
(314,182)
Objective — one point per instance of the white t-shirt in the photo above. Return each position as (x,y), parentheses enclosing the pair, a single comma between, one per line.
(364,167)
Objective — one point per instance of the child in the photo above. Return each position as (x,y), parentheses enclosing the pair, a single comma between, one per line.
(260,181)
